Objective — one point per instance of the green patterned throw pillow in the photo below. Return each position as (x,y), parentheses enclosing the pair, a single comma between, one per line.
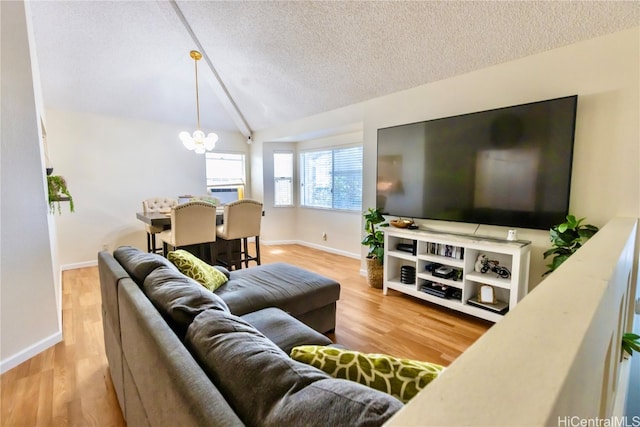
(401,378)
(191,266)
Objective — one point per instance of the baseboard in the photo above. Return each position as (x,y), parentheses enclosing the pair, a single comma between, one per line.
(76,265)
(312,245)
(279,242)
(29,352)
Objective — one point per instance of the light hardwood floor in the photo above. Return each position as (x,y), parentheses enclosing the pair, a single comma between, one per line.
(69,384)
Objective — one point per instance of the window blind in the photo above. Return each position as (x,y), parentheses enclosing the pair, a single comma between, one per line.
(283,178)
(332,178)
(224,169)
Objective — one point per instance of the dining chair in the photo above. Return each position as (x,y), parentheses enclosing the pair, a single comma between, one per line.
(240,220)
(192,223)
(156,204)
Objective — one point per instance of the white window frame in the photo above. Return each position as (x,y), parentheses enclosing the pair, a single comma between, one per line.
(238,183)
(283,179)
(302,165)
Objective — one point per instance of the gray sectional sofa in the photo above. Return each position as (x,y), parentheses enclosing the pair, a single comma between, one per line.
(180,355)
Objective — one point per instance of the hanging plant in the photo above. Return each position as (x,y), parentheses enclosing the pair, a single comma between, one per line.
(58,192)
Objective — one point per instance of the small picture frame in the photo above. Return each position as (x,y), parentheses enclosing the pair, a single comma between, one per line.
(487,294)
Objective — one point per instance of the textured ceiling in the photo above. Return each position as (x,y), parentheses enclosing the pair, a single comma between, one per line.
(281,61)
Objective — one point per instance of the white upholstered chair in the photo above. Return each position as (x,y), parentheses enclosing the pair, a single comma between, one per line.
(241,220)
(192,223)
(156,204)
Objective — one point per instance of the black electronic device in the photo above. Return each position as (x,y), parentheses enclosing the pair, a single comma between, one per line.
(508,166)
(437,289)
(431,266)
(444,272)
(456,294)
(407,247)
(408,275)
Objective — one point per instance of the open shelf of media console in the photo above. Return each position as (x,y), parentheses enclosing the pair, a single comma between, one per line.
(459,252)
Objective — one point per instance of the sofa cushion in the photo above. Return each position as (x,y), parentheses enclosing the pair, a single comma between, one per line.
(284,330)
(290,288)
(179,298)
(223,270)
(402,378)
(138,264)
(266,387)
(192,266)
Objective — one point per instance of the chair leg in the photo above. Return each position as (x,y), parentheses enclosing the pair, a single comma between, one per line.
(230,255)
(244,254)
(258,249)
(164,249)
(148,242)
(214,253)
(153,243)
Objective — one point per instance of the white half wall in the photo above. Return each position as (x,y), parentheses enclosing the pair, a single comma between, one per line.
(111,164)
(29,321)
(603,72)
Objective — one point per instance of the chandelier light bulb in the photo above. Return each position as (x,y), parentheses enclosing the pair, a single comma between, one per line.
(198,136)
(187,141)
(210,141)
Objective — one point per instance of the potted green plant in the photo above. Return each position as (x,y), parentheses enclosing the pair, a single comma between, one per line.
(631,343)
(567,238)
(374,239)
(58,192)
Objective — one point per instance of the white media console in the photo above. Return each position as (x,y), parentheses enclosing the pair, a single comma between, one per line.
(423,250)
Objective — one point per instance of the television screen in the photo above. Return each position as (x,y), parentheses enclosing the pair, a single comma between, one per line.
(509,166)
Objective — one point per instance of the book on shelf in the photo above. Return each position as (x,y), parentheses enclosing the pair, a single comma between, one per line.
(449,251)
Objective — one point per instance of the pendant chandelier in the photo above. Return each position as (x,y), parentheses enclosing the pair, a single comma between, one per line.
(197,141)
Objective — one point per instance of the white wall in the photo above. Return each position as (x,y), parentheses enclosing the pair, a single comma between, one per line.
(279,223)
(307,225)
(111,164)
(29,321)
(604,72)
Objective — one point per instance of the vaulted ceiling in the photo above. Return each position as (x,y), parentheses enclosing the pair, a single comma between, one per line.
(280,61)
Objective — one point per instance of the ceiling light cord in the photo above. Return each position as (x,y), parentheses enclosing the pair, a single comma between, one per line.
(219,87)
(194,55)
(198,142)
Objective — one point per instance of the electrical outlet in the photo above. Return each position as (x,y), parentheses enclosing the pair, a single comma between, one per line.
(324,236)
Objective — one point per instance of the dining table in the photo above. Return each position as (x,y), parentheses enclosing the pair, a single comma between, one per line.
(163,220)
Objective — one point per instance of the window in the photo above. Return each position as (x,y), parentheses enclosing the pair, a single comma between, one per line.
(283,178)
(225,175)
(332,178)
(224,169)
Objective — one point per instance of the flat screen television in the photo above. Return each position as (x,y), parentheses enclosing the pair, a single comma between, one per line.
(508,166)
